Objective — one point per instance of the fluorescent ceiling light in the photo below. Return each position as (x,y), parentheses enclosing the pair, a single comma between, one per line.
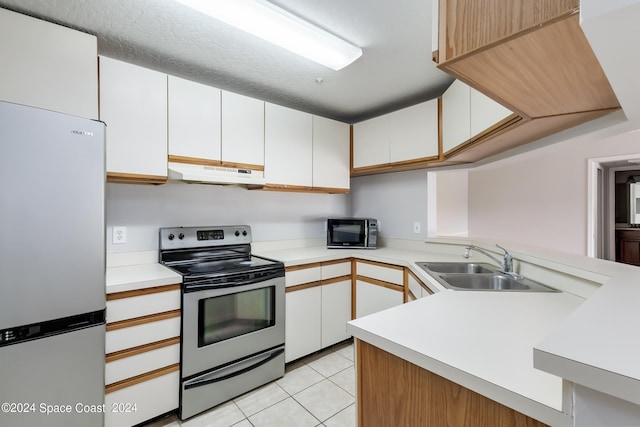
(275,25)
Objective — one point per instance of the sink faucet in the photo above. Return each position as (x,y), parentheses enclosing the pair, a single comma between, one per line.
(506,263)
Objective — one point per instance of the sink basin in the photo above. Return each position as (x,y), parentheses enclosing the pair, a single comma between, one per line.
(469,276)
(492,282)
(457,267)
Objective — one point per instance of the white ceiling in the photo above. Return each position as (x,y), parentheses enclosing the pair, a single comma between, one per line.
(394,71)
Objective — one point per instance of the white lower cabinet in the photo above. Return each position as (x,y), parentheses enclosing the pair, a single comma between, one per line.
(371,298)
(417,288)
(318,311)
(142,401)
(336,312)
(142,354)
(303,323)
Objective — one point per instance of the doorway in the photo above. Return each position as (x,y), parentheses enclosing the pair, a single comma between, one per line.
(605,216)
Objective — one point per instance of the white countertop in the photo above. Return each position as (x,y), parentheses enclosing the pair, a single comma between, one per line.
(139,276)
(488,341)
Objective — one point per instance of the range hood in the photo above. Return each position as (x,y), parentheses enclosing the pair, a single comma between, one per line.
(215,175)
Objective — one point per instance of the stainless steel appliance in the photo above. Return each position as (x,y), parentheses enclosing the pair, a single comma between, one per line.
(232,314)
(352,233)
(52,268)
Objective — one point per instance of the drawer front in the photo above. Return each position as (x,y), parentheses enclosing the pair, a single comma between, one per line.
(330,271)
(146,333)
(380,272)
(415,287)
(143,305)
(138,364)
(151,398)
(304,275)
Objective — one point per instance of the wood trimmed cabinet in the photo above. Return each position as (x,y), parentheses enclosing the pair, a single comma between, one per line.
(318,306)
(378,286)
(394,392)
(143,354)
(133,104)
(531,57)
(415,288)
(403,139)
(628,245)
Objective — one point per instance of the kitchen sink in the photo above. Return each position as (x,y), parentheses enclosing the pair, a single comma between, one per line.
(457,267)
(466,276)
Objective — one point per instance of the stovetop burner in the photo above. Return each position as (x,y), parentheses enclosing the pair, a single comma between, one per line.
(199,253)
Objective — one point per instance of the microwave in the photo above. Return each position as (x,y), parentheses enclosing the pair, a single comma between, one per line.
(352,233)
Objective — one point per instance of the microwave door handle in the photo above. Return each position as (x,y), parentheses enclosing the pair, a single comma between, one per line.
(234,369)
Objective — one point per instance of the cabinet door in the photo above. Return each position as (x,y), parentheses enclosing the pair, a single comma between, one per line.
(288,154)
(372,298)
(371,142)
(414,132)
(485,112)
(48,66)
(303,323)
(330,153)
(456,115)
(194,119)
(133,104)
(242,129)
(336,312)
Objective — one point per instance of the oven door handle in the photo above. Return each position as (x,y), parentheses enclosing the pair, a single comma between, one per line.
(195,287)
(235,369)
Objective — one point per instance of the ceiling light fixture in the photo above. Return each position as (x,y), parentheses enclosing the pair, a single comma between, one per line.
(277,26)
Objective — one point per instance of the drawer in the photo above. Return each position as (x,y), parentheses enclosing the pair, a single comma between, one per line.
(142,305)
(415,287)
(303,275)
(141,363)
(151,398)
(330,271)
(381,272)
(145,333)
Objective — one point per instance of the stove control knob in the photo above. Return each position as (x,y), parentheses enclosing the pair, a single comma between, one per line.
(237,233)
(244,233)
(171,236)
(181,236)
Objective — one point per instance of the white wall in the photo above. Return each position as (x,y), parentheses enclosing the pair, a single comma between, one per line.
(540,197)
(143,209)
(451,201)
(397,200)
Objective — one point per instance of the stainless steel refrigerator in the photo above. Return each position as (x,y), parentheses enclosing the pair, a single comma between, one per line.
(52,268)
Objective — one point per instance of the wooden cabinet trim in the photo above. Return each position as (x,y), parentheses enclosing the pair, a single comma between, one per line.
(142,320)
(396,166)
(336,261)
(141,378)
(302,267)
(330,190)
(336,279)
(285,187)
(382,283)
(133,178)
(353,288)
(209,162)
(133,351)
(144,291)
(380,264)
(502,126)
(420,282)
(303,286)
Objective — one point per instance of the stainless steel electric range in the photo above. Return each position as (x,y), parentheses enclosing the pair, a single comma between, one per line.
(232,314)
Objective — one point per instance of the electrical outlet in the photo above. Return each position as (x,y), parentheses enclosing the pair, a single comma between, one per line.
(119,235)
(416,227)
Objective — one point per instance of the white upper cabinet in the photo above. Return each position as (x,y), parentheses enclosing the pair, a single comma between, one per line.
(133,104)
(242,129)
(406,135)
(330,153)
(48,66)
(414,132)
(456,115)
(371,142)
(485,112)
(194,120)
(467,113)
(288,147)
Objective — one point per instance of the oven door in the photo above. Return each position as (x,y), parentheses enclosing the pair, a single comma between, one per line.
(224,324)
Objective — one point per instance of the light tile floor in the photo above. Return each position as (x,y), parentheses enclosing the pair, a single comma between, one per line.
(318,390)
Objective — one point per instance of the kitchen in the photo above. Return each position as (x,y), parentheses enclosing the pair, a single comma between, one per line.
(552,175)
